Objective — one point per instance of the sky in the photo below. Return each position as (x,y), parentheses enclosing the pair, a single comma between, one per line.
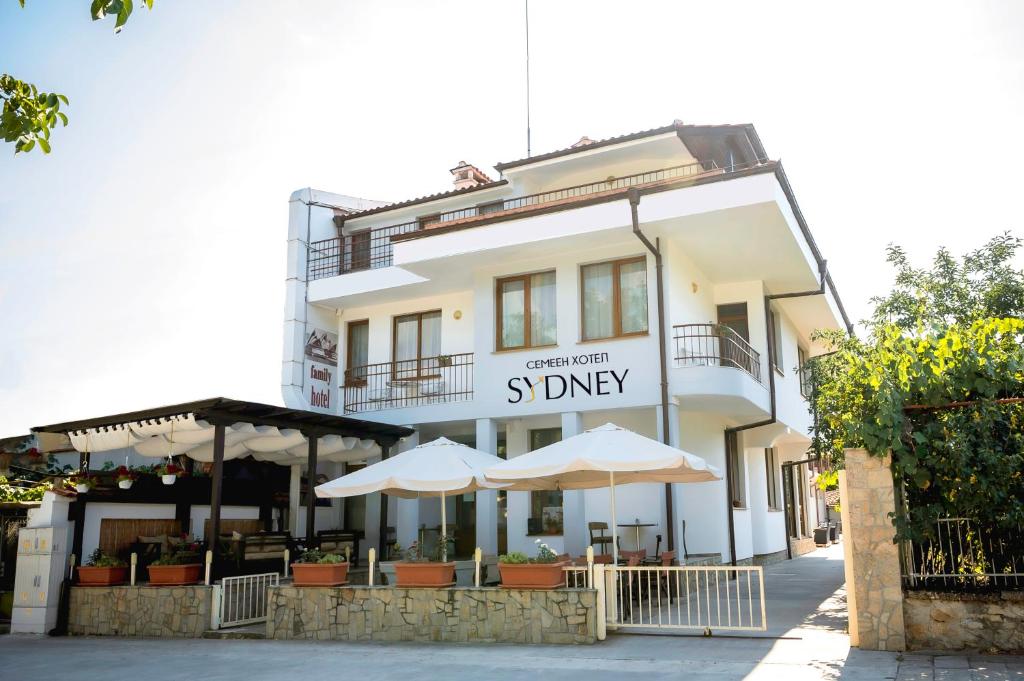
(142,262)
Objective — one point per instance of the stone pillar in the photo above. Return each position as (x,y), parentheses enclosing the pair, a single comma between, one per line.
(874,591)
(574,516)
(487,501)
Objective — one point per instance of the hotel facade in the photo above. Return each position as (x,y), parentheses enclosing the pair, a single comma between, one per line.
(665,281)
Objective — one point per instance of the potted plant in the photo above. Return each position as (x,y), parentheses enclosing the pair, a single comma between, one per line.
(125,477)
(180,566)
(416,570)
(521,572)
(169,472)
(444,360)
(82,483)
(102,570)
(316,568)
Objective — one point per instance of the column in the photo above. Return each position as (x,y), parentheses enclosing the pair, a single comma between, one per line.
(487,501)
(217,484)
(516,442)
(371,522)
(311,457)
(294,487)
(407,520)
(574,516)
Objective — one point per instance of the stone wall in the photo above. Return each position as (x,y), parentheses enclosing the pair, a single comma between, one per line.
(459,614)
(168,611)
(872,559)
(953,621)
(802,545)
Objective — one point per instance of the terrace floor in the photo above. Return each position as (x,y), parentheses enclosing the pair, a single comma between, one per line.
(806,640)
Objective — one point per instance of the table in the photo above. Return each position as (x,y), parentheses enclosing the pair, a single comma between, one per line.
(636,526)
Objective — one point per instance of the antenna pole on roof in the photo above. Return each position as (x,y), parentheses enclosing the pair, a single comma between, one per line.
(527,4)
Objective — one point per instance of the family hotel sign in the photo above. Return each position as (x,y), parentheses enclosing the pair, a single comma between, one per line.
(577,376)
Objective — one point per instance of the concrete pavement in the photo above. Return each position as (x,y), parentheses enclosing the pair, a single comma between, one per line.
(806,640)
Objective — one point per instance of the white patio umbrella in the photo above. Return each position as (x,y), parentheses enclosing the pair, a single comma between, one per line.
(435,468)
(603,457)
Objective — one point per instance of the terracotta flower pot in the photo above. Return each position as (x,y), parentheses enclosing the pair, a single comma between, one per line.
(173,575)
(424,574)
(531,575)
(319,574)
(102,576)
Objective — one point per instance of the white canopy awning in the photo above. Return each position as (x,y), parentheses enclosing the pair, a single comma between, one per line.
(184,434)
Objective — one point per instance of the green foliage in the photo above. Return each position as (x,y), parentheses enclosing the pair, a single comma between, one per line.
(100,559)
(544,555)
(319,557)
(10,492)
(514,558)
(28,115)
(934,384)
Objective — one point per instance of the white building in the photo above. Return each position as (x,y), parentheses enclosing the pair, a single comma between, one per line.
(508,313)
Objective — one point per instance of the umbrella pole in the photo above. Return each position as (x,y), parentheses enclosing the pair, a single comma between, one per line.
(614,523)
(444,530)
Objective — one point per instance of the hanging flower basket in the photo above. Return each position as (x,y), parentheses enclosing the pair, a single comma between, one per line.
(82,483)
(125,477)
(169,473)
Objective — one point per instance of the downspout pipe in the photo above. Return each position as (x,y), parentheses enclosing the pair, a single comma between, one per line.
(655,249)
(730,433)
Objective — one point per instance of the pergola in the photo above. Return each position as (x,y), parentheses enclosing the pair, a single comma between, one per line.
(219,429)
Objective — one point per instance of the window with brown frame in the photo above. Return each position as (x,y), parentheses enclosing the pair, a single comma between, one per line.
(614,298)
(357,348)
(525,311)
(416,344)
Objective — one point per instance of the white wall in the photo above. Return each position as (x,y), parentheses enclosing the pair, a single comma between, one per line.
(95,512)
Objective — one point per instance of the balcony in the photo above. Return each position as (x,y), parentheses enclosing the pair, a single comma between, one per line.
(715,345)
(408,383)
(372,248)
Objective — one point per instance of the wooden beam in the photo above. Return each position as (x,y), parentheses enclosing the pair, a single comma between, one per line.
(310,484)
(217,485)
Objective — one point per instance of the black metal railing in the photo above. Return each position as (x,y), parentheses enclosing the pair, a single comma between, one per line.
(964,555)
(372,248)
(408,383)
(714,345)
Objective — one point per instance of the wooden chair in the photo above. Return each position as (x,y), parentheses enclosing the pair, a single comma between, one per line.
(600,541)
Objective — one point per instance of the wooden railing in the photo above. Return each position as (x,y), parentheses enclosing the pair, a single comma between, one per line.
(372,248)
(714,345)
(408,383)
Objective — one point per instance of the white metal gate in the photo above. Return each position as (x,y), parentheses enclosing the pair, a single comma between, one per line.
(243,599)
(701,597)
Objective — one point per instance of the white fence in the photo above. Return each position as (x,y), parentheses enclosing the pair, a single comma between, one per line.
(705,598)
(242,600)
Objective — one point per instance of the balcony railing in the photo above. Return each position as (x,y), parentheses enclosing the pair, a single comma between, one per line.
(372,248)
(408,383)
(714,345)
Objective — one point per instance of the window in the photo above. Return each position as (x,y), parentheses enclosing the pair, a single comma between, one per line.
(359,250)
(417,343)
(737,485)
(526,311)
(428,220)
(545,507)
(804,371)
(734,354)
(775,338)
(771,469)
(357,346)
(734,316)
(614,298)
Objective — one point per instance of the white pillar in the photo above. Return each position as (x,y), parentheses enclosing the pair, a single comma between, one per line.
(487,501)
(371,522)
(294,486)
(518,507)
(407,515)
(574,516)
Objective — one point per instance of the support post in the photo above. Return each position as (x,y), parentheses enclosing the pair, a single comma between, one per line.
(310,484)
(382,536)
(487,500)
(294,489)
(217,485)
(78,512)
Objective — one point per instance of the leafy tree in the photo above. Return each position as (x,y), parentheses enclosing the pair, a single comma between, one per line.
(29,114)
(938,383)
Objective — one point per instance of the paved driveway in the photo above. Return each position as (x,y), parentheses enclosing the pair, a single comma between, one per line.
(806,640)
